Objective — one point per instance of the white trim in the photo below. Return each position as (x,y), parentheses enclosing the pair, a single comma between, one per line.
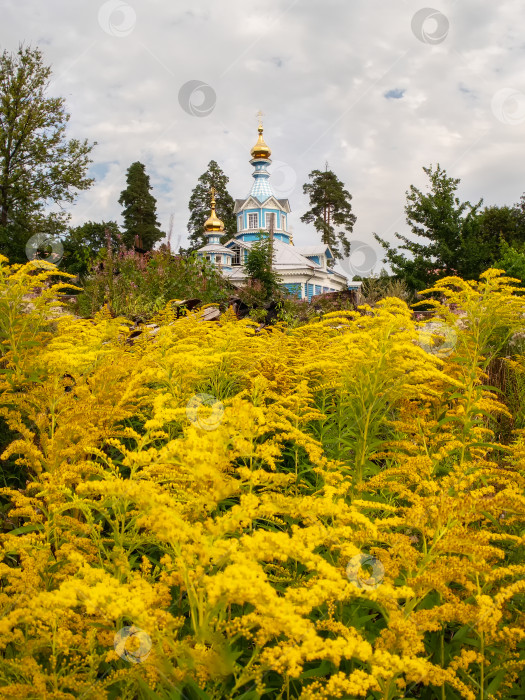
(252,203)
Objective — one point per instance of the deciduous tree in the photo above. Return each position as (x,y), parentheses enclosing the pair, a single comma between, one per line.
(259,265)
(39,165)
(83,243)
(449,235)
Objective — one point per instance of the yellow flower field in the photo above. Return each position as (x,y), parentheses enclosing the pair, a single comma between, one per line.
(329,511)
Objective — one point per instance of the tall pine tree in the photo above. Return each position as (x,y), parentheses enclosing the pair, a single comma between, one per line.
(141,228)
(330,211)
(200,206)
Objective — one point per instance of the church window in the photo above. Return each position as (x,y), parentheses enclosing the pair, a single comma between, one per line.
(252,220)
(283,222)
(269,219)
(236,255)
(218,259)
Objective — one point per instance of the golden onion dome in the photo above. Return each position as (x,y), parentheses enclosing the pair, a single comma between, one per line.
(213,223)
(260,150)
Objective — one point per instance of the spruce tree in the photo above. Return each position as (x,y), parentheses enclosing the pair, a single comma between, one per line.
(199,206)
(330,211)
(141,228)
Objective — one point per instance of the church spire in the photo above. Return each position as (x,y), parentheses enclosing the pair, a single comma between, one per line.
(213,224)
(261,188)
(261,149)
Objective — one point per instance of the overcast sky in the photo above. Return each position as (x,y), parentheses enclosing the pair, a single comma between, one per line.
(377,88)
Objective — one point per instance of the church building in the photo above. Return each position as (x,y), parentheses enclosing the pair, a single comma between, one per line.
(304,271)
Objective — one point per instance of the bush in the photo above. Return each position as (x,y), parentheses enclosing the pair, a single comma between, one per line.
(297,312)
(310,512)
(259,268)
(382,286)
(513,261)
(137,285)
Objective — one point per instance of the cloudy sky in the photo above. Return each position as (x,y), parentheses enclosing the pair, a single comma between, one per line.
(376,88)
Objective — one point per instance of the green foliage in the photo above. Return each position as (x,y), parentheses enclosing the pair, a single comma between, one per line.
(380,286)
(449,226)
(200,206)
(330,211)
(138,286)
(258,315)
(460,238)
(512,261)
(259,266)
(38,165)
(141,228)
(297,312)
(83,243)
(507,223)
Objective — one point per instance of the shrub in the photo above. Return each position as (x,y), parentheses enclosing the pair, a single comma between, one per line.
(137,285)
(318,512)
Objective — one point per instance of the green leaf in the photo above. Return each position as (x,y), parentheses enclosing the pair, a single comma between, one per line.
(322,670)
(26,528)
(450,419)
(496,681)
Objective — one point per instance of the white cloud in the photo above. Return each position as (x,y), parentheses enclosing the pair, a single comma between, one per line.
(319,71)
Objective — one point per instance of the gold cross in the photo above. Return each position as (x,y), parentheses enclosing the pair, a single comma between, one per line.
(259,116)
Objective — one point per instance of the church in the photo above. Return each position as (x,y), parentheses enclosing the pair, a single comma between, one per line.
(303,271)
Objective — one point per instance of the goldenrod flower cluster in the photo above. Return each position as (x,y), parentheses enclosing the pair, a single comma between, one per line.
(210,511)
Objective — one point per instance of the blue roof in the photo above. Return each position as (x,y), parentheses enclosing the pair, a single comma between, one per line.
(261,189)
